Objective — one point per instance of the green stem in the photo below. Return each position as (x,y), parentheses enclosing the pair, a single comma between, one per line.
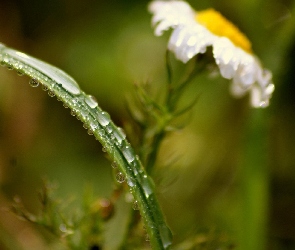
(168,68)
(174,94)
(105,131)
(152,157)
(255,183)
(172,98)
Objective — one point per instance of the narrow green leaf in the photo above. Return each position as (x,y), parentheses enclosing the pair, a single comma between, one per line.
(99,123)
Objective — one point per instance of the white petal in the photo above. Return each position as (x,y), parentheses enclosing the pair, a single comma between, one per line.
(169,14)
(270,89)
(227,70)
(264,77)
(161,27)
(237,90)
(256,98)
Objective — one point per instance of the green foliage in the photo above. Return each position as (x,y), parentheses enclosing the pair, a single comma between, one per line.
(79,228)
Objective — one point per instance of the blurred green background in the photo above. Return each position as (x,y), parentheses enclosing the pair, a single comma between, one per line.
(107,46)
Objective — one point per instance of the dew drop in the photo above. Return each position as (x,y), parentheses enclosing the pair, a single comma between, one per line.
(89,132)
(135,205)
(101,133)
(91,101)
(84,112)
(109,129)
(119,134)
(65,105)
(85,126)
(73,113)
(131,182)
(51,94)
(166,236)
(114,164)
(93,126)
(135,171)
(74,101)
(104,150)
(20,73)
(18,66)
(147,186)
(44,88)
(34,83)
(5,60)
(10,67)
(128,153)
(56,74)
(120,177)
(103,118)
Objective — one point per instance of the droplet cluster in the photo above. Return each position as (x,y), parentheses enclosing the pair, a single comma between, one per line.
(83,107)
(120,177)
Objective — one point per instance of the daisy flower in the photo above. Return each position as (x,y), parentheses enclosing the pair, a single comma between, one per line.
(194,31)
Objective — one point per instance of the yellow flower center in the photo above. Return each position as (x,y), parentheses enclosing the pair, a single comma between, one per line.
(220,26)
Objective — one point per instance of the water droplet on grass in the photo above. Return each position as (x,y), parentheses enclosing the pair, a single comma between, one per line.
(166,236)
(91,101)
(34,83)
(128,153)
(109,129)
(131,182)
(135,205)
(93,125)
(55,74)
(44,88)
(147,186)
(120,177)
(51,94)
(114,164)
(103,118)
(119,135)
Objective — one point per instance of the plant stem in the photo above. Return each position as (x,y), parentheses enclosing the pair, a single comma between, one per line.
(255,183)
(158,138)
